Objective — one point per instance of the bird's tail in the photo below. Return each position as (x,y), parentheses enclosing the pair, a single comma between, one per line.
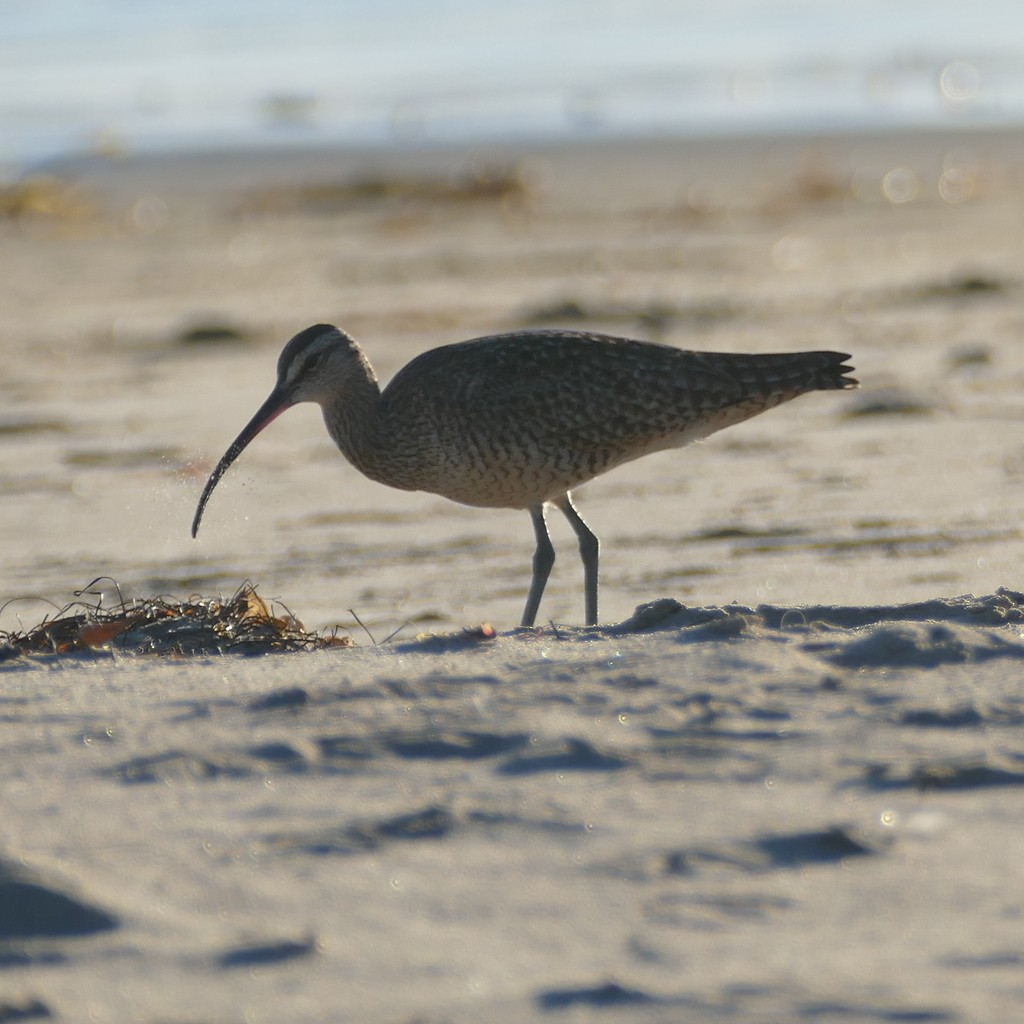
(795,373)
(834,372)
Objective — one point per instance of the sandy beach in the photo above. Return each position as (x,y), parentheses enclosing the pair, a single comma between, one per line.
(788,790)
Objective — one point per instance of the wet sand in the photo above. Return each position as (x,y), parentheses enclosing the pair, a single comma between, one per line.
(789,800)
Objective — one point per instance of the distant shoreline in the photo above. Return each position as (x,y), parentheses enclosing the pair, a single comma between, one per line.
(735,155)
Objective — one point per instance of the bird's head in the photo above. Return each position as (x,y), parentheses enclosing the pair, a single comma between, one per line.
(313,367)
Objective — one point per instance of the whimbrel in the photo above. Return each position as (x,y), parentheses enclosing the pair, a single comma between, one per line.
(519,420)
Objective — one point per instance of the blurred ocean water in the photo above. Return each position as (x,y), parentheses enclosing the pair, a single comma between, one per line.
(108,74)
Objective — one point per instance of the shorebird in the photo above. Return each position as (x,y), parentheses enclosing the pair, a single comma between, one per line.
(519,420)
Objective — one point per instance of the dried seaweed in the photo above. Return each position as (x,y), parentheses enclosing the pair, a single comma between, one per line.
(243,623)
(43,197)
(477,184)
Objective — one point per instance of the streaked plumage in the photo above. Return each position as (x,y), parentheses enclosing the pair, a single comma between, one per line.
(519,420)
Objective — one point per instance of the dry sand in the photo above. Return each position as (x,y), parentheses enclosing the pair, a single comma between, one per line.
(804,806)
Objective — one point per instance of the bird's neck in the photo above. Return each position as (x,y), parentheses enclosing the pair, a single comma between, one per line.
(353,417)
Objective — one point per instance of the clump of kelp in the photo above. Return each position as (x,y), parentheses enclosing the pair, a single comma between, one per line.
(244,623)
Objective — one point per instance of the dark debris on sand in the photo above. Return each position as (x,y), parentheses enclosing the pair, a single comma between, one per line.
(243,623)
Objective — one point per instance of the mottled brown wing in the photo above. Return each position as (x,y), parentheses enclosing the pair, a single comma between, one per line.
(565,388)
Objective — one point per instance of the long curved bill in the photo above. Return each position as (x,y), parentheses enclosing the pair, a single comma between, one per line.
(276,404)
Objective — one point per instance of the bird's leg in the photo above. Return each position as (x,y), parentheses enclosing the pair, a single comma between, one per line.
(543,559)
(590,548)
